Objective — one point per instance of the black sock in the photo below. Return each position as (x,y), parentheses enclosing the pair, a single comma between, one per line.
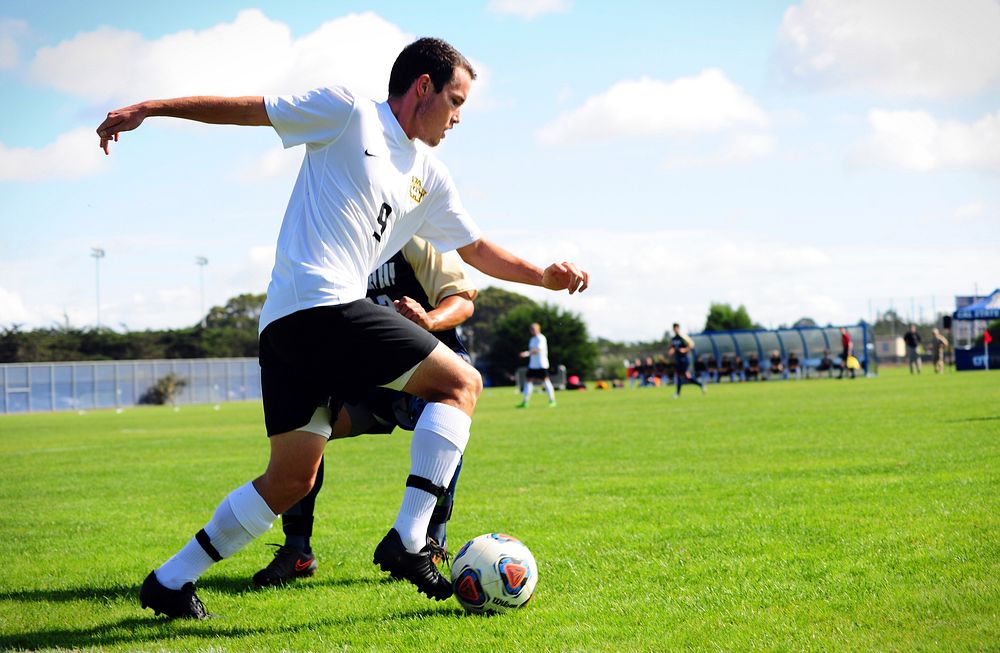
(297,521)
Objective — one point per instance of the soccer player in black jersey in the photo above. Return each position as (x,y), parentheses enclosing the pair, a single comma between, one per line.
(432,290)
(680,348)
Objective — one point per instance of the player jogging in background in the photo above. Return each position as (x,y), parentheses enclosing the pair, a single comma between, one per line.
(538,366)
(364,189)
(432,290)
(680,348)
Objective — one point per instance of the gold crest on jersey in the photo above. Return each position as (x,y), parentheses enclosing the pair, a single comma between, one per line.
(417,191)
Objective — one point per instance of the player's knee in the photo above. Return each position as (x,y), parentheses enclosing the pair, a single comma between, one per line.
(463,387)
(471,385)
(287,488)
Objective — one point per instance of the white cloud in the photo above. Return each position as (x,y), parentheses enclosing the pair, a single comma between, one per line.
(11,31)
(920,48)
(708,103)
(968,212)
(71,156)
(13,311)
(915,140)
(529,9)
(741,149)
(250,55)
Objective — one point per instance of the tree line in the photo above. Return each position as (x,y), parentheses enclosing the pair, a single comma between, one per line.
(495,334)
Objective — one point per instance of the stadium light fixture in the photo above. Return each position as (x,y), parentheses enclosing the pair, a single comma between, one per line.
(201,262)
(98,253)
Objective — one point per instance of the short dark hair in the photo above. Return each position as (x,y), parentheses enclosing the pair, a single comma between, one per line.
(676,325)
(430,56)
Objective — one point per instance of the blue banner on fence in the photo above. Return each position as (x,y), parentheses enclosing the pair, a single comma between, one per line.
(975,359)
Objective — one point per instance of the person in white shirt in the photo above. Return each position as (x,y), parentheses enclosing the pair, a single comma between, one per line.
(364,189)
(538,366)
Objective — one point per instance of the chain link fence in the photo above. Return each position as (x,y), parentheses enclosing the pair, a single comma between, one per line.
(44,387)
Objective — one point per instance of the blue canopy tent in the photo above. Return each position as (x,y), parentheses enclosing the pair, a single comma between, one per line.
(986,309)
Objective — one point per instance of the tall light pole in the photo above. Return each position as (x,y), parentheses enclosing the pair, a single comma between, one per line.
(201,262)
(98,254)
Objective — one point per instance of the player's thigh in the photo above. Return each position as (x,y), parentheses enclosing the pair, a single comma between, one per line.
(443,376)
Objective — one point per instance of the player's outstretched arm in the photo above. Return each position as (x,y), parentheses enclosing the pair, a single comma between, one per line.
(248,110)
(493,260)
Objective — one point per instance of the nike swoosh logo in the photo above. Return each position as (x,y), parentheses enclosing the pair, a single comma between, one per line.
(302,565)
(367,153)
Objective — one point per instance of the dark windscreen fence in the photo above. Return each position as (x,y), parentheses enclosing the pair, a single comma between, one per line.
(808,344)
(45,387)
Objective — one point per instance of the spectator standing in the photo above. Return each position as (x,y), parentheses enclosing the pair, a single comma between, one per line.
(912,339)
(939,345)
(848,350)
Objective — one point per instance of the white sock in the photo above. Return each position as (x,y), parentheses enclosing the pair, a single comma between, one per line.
(438,443)
(549,389)
(528,389)
(238,520)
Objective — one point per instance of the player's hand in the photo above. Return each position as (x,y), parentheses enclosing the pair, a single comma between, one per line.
(120,120)
(413,311)
(565,276)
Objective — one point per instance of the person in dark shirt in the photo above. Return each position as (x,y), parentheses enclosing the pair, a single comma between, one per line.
(753,367)
(794,365)
(680,349)
(912,339)
(777,367)
(726,368)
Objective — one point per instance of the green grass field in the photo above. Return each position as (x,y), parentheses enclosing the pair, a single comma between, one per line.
(819,515)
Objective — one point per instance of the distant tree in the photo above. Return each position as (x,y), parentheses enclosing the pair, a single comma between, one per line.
(491,305)
(723,317)
(805,322)
(240,312)
(565,332)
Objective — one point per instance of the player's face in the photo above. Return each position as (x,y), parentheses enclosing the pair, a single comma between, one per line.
(440,111)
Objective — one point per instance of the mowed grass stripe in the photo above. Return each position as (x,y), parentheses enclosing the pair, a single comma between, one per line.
(813,515)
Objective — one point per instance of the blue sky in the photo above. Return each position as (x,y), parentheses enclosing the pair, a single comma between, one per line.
(822,158)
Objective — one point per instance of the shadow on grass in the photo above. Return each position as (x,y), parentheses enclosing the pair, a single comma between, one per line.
(144,631)
(993,418)
(234,585)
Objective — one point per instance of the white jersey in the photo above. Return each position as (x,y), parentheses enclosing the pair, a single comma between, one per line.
(540,360)
(363,191)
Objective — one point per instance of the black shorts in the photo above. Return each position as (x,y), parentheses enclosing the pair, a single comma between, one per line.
(331,354)
(537,374)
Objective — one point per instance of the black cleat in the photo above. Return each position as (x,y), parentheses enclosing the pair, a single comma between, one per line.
(288,564)
(182,603)
(418,568)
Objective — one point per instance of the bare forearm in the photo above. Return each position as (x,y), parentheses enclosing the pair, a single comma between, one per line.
(247,110)
(452,311)
(495,261)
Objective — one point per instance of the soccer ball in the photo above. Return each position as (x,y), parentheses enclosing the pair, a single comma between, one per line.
(494,573)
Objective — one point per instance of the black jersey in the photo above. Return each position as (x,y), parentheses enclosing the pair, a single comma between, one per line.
(396,279)
(677,342)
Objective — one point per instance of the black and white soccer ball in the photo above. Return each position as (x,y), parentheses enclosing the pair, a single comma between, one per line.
(494,573)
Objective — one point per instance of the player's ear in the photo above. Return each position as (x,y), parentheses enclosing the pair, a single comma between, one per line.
(424,85)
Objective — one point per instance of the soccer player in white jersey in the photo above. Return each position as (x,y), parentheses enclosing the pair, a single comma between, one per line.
(538,366)
(363,190)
